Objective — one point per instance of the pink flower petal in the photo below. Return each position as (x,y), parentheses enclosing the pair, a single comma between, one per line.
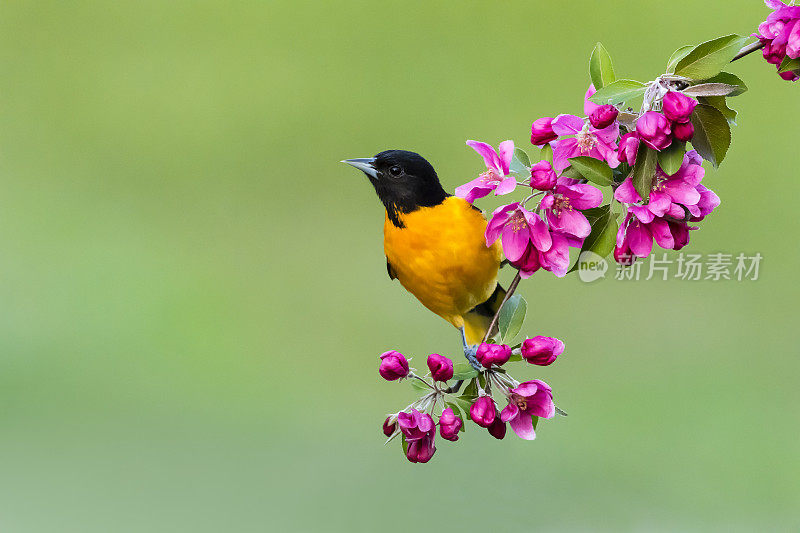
(567,124)
(588,106)
(523,427)
(506,186)
(515,241)
(488,153)
(505,154)
(510,411)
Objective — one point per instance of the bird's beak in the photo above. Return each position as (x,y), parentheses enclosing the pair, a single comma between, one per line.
(364,164)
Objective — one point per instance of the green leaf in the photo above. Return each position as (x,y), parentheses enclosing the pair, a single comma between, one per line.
(515,357)
(570,172)
(520,162)
(789,64)
(644,170)
(712,134)
(601,68)
(547,153)
(463,404)
(710,89)
(677,55)
(535,420)
(618,92)
(464,371)
(671,157)
(512,315)
(709,58)
(405,444)
(730,79)
(722,106)
(603,236)
(592,169)
(454,407)
(470,391)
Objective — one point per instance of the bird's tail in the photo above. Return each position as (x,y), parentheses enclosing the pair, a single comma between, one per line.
(477,320)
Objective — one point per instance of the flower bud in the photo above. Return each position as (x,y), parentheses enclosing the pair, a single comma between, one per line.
(541,350)
(440,366)
(529,262)
(774,53)
(483,411)
(393,365)
(389,427)
(542,131)
(603,116)
(623,254)
(628,146)
(421,451)
(653,128)
(498,428)
(492,354)
(789,75)
(683,131)
(543,177)
(680,234)
(677,106)
(449,425)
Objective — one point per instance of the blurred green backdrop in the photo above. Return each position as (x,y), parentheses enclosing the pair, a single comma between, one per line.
(194,292)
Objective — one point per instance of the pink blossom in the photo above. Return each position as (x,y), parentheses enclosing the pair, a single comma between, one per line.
(529,399)
(393,365)
(449,425)
(518,227)
(541,350)
(542,131)
(579,138)
(496,178)
(556,258)
(419,432)
(654,130)
(483,411)
(492,354)
(677,106)
(440,366)
(563,206)
(780,34)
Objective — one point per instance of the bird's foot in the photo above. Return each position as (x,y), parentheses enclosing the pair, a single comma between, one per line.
(470,353)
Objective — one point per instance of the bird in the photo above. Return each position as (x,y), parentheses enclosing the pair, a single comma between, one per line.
(434,244)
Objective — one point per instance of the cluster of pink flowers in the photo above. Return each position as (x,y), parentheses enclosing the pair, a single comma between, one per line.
(675,200)
(526,401)
(780,34)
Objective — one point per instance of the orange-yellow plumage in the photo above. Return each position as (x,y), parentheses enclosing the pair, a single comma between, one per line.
(440,256)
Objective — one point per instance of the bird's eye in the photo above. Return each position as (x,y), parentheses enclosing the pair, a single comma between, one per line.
(395,171)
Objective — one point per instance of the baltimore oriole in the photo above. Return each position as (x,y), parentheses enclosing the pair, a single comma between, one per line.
(434,244)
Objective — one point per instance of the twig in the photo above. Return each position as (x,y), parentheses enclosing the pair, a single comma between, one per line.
(496,317)
(749,49)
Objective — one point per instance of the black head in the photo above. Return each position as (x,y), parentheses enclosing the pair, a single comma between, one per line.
(404,181)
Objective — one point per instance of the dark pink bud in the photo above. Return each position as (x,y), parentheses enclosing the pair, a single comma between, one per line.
(683,131)
(529,262)
(789,75)
(421,451)
(498,428)
(541,350)
(449,425)
(440,366)
(680,234)
(483,411)
(543,177)
(628,146)
(623,254)
(653,129)
(393,365)
(542,131)
(774,53)
(389,427)
(493,354)
(677,106)
(603,116)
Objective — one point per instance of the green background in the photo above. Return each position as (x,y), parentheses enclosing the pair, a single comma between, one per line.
(194,292)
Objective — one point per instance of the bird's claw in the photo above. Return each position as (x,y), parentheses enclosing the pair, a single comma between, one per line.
(470,353)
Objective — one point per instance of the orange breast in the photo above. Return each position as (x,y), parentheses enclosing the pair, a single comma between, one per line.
(440,256)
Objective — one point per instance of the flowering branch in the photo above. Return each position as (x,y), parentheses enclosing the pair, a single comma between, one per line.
(654,181)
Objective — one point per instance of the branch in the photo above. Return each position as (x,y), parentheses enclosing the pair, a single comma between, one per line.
(749,49)
(496,317)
